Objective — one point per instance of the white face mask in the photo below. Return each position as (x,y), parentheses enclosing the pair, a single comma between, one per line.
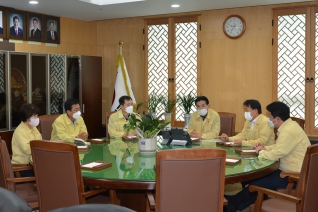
(129,109)
(203,112)
(77,115)
(34,122)
(248,116)
(271,124)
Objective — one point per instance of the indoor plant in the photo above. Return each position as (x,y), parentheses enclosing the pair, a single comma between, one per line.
(186,102)
(152,103)
(168,105)
(147,129)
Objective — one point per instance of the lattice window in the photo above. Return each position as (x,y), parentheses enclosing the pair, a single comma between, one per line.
(316,72)
(2,71)
(186,61)
(57,85)
(291,62)
(158,61)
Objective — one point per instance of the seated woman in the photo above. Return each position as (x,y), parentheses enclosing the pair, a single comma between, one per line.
(23,134)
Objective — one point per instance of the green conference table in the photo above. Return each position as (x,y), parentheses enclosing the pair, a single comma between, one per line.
(135,171)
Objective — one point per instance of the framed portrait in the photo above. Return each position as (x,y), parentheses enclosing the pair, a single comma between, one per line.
(35,27)
(52,30)
(16,25)
(3,22)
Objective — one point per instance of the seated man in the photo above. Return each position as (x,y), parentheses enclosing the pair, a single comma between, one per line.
(120,118)
(256,128)
(204,123)
(289,150)
(69,125)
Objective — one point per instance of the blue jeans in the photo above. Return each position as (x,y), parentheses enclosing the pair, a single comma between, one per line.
(245,198)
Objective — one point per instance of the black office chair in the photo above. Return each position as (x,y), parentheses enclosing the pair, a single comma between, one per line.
(93,208)
(10,201)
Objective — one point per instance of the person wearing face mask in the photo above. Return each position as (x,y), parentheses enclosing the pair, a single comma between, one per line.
(256,128)
(290,149)
(120,118)
(23,134)
(205,122)
(69,125)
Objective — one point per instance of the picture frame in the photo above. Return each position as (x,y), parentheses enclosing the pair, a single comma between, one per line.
(16,24)
(52,30)
(3,29)
(35,27)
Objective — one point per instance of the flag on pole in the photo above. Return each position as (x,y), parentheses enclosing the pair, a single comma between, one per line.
(122,84)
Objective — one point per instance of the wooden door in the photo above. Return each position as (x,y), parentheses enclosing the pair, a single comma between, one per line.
(91,94)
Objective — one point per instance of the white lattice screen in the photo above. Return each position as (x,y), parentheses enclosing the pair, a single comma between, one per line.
(316,72)
(186,61)
(291,63)
(158,61)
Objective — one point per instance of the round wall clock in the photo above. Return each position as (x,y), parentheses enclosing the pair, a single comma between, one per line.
(234,26)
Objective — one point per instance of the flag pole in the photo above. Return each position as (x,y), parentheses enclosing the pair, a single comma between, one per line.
(121,43)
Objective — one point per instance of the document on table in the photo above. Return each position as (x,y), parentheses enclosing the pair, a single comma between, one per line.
(91,165)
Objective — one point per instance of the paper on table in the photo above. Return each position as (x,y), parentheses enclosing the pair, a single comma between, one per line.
(132,136)
(96,139)
(92,164)
(81,147)
(194,138)
(248,150)
(228,143)
(231,160)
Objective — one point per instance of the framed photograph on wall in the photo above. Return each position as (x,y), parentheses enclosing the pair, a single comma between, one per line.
(16,25)
(3,23)
(35,27)
(52,32)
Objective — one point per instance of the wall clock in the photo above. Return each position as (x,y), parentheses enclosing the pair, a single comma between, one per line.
(234,26)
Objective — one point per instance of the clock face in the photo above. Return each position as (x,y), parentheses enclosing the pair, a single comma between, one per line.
(234,26)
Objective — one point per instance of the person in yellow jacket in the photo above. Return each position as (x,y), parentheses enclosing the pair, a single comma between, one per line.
(205,122)
(69,125)
(120,118)
(23,134)
(290,149)
(256,128)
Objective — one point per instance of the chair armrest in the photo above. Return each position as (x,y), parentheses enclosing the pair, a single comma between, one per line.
(93,192)
(20,167)
(287,174)
(20,179)
(225,202)
(293,179)
(277,194)
(151,200)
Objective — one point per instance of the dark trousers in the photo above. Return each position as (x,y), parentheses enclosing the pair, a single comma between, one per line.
(26,173)
(245,198)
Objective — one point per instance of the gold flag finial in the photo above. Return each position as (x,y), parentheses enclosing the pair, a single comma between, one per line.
(121,43)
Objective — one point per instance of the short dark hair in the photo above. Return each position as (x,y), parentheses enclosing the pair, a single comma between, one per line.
(15,17)
(51,23)
(201,98)
(123,98)
(254,104)
(34,19)
(3,99)
(69,102)
(27,110)
(279,109)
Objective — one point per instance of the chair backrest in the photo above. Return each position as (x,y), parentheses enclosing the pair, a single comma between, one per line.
(300,121)
(45,126)
(57,173)
(94,208)
(190,180)
(307,185)
(10,201)
(227,123)
(6,170)
(107,120)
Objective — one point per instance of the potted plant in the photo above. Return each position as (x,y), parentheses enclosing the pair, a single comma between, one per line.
(168,105)
(186,102)
(152,103)
(147,128)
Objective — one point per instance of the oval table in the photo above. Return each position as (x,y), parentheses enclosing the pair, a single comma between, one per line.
(132,170)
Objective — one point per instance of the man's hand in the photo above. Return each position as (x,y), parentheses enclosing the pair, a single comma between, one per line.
(237,142)
(194,134)
(83,135)
(224,137)
(131,133)
(259,146)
